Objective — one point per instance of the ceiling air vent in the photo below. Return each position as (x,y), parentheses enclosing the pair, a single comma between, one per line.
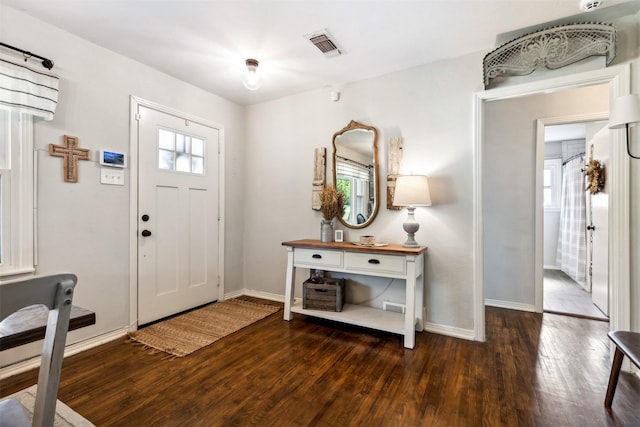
(322,40)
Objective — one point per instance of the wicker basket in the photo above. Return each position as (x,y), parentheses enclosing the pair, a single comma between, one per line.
(321,293)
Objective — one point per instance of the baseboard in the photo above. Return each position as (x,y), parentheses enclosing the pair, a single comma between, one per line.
(256,294)
(551,267)
(234,294)
(451,331)
(510,305)
(34,362)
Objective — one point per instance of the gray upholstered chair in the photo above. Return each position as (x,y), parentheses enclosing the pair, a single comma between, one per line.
(56,293)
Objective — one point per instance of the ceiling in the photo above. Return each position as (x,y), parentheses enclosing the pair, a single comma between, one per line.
(205,42)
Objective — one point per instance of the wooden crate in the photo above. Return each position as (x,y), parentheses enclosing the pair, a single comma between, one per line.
(321,293)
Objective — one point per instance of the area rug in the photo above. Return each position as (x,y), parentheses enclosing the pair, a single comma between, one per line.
(186,333)
(65,416)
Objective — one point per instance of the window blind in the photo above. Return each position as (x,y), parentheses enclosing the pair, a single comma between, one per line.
(350,169)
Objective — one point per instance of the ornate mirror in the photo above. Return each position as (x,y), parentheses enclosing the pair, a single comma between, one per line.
(355,173)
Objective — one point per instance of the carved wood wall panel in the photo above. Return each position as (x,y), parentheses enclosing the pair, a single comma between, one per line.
(395,160)
(319,176)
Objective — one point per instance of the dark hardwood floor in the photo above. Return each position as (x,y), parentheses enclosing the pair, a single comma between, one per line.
(533,370)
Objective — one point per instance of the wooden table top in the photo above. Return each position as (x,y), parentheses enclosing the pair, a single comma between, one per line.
(29,325)
(392,248)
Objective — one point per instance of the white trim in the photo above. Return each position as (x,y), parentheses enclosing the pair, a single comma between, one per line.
(619,78)
(256,294)
(70,350)
(539,214)
(510,305)
(467,334)
(478,221)
(134,103)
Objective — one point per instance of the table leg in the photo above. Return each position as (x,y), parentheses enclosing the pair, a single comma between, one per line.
(289,286)
(420,300)
(410,307)
(613,377)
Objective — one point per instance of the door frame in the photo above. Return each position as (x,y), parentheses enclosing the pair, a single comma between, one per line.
(619,80)
(134,103)
(539,215)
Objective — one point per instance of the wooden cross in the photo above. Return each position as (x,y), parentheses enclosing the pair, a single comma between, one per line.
(71,154)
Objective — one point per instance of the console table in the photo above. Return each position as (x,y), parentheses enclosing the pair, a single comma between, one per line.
(392,261)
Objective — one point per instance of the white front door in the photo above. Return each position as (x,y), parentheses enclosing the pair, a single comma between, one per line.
(178,210)
(599,228)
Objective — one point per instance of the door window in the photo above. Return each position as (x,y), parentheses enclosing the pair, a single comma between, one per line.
(180,153)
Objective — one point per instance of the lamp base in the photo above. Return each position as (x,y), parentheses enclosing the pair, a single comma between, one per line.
(411,243)
(411,226)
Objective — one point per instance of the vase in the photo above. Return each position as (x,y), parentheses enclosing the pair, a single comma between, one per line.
(326,231)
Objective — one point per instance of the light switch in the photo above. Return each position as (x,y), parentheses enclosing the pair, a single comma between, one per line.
(110,176)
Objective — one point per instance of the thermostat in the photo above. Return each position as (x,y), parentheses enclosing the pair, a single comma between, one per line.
(113,159)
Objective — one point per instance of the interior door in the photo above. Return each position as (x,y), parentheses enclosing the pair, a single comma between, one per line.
(178,259)
(599,228)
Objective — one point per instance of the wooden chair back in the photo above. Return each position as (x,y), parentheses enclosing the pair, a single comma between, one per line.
(56,293)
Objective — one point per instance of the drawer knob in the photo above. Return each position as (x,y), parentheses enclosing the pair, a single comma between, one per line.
(374,261)
(316,256)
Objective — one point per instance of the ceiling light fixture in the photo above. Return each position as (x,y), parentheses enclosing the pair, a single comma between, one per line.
(252,79)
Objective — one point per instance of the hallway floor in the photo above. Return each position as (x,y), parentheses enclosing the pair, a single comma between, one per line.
(562,295)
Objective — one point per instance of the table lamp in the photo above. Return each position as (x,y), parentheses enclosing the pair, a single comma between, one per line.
(411,191)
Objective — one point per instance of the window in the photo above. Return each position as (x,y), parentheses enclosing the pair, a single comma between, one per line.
(16,194)
(180,153)
(552,184)
(353,182)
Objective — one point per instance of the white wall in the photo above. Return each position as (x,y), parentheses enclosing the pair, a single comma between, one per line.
(431,108)
(84,227)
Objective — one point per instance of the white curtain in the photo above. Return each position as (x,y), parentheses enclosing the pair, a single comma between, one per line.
(572,236)
(27,89)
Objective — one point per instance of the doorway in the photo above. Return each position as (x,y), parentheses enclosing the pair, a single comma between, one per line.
(617,80)
(575,277)
(176,212)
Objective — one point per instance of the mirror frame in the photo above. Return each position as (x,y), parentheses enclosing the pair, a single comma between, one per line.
(353,125)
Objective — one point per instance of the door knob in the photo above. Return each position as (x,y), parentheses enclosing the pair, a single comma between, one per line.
(146,233)
(591,227)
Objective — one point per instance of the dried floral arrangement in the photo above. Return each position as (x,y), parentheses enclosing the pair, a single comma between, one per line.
(331,202)
(595,176)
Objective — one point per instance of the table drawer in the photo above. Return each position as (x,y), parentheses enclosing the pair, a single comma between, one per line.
(318,257)
(368,262)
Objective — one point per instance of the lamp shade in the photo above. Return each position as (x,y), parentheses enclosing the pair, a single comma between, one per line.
(625,110)
(412,190)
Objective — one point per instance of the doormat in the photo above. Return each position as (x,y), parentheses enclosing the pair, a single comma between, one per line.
(186,333)
(65,416)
